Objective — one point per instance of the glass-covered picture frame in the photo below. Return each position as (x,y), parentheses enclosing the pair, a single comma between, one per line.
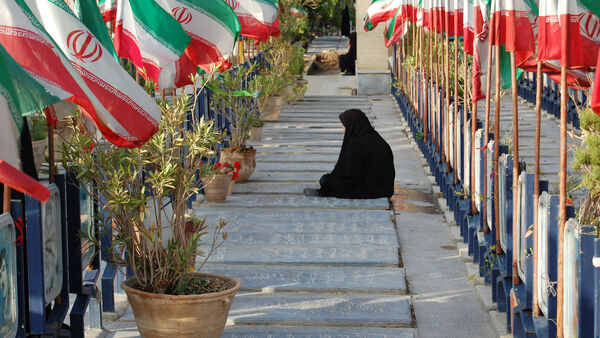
(8,277)
(86,211)
(52,237)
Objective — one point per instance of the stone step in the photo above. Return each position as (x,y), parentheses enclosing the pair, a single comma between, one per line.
(277,331)
(329,158)
(270,129)
(301,150)
(272,188)
(386,256)
(342,310)
(309,143)
(293,166)
(294,201)
(316,279)
(278,137)
(285,177)
(309,238)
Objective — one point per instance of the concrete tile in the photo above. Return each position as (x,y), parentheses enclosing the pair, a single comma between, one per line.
(274,331)
(316,279)
(294,201)
(303,254)
(366,310)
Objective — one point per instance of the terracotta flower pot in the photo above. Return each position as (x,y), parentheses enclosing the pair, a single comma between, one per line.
(246,158)
(272,108)
(160,315)
(216,187)
(256,133)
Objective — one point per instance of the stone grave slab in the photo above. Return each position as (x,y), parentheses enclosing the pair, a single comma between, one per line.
(315,309)
(302,254)
(325,158)
(309,238)
(295,201)
(286,177)
(274,331)
(272,188)
(317,279)
(297,150)
(294,166)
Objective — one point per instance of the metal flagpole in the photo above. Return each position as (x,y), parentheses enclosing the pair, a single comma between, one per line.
(473,149)
(455,120)
(425,63)
(515,122)
(497,152)
(536,185)
(562,214)
(486,132)
(447,69)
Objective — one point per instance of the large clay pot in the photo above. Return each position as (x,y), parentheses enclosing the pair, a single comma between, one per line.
(160,315)
(216,187)
(247,159)
(272,108)
(255,133)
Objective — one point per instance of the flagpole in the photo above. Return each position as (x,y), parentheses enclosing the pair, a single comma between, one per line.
(431,88)
(6,199)
(473,149)
(516,234)
(447,68)
(51,152)
(455,120)
(434,92)
(486,131)
(241,50)
(497,152)
(465,98)
(536,185)
(425,64)
(562,213)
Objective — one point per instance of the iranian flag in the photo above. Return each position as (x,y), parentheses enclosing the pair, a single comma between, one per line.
(298,11)
(20,95)
(515,22)
(480,47)
(67,57)
(88,13)
(152,40)
(468,25)
(108,8)
(258,18)
(426,13)
(395,28)
(213,26)
(380,11)
(458,17)
(593,6)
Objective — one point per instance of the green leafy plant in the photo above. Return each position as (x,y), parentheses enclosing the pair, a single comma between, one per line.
(240,111)
(137,187)
(587,162)
(38,127)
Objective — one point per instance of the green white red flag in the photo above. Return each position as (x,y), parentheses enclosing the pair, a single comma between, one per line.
(380,11)
(458,17)
(395,28)
(480,47)
(213,26)
(258,18)
(594,7)
(88,13)
(298,11)
(20,95)
(68,58)
(468,25)
(108,8)
(152,39)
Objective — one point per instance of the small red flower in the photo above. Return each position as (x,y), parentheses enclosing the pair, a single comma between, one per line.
(237,165)
(218,165)
(235,176)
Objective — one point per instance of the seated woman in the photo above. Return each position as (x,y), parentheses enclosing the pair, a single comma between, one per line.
(365,167)
(348,61)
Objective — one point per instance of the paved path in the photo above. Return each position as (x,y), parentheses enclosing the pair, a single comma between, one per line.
(324,267)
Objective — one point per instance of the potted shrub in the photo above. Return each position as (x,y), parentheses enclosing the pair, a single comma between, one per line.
(256,129)
(219,183)
(240,112)
(39,138)
(144,193)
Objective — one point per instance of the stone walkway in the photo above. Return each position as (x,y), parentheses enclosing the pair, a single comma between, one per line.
(324,267)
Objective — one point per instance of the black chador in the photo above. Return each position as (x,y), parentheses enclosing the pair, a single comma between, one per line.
(365,167)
